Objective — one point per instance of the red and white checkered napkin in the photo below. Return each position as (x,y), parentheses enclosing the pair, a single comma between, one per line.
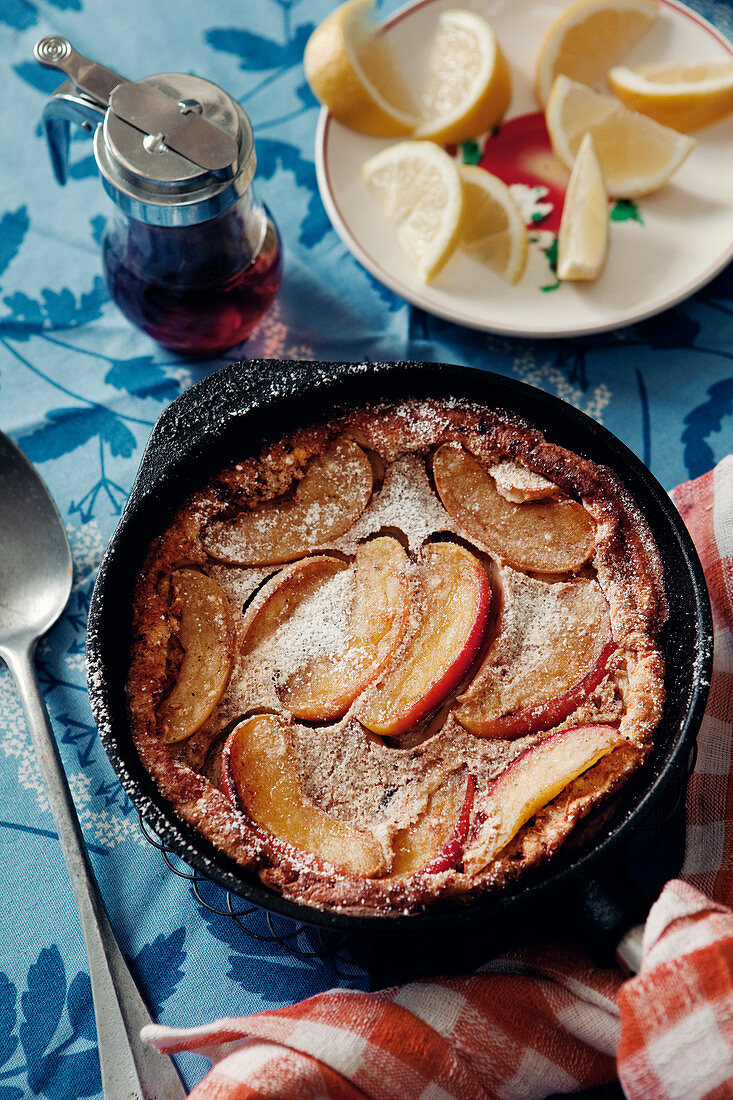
(541,1020)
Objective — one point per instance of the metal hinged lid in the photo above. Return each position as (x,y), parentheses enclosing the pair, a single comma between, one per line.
(173,149)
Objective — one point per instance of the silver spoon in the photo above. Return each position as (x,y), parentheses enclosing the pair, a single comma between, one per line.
(35,583)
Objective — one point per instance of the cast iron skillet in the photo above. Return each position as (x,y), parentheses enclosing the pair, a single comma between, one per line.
(231,414)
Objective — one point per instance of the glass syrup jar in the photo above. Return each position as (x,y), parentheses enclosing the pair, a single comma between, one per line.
(189,255)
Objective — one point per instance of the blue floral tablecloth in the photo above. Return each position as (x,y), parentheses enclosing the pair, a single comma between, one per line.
(80,390)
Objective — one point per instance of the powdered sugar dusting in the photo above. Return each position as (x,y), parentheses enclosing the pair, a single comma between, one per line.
(240,583)
(552,634)
(332,493)
(518,484)
(406,502)
(318,627)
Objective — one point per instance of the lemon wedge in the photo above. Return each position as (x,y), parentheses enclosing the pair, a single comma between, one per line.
(686,96)
(418,187)
(351,71)
(493,230)
(582,241)
(636,154)
(468,85)
(587,38)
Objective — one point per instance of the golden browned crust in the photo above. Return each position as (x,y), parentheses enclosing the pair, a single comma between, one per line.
(344,769)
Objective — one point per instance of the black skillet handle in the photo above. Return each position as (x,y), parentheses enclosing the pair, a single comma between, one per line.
(195,415)
(608,907)
(193,421)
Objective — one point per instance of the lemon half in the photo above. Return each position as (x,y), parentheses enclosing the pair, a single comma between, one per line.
(468,86)
(351,71)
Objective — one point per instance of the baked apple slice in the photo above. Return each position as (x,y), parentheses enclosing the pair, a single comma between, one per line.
(434,842)
(538,775)
(329,498)
(258,775)
(326,688)
(281,597)
(553,535)
(550,651)
(206,637)
(455,596)
(519,485)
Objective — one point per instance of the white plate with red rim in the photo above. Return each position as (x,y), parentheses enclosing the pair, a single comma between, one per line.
(664,246)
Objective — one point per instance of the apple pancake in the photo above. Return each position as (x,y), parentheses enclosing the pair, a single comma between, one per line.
(400,657)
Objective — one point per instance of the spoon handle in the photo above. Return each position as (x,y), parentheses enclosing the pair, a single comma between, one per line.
(131,1069)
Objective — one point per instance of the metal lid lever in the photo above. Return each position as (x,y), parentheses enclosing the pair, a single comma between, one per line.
(92,80)
(82,99)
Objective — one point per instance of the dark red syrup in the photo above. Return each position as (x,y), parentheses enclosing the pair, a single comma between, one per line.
(196,290)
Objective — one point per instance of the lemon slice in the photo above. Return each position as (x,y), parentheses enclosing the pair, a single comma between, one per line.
(636,154)
(468,86)
(418,187)
(493,230)
(582,241)
(587,38)
(685,96)
(351,70)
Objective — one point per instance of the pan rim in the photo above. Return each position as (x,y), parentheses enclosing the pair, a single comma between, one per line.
(325,377)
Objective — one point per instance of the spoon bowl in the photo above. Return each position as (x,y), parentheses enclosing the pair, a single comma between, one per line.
(36,575)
